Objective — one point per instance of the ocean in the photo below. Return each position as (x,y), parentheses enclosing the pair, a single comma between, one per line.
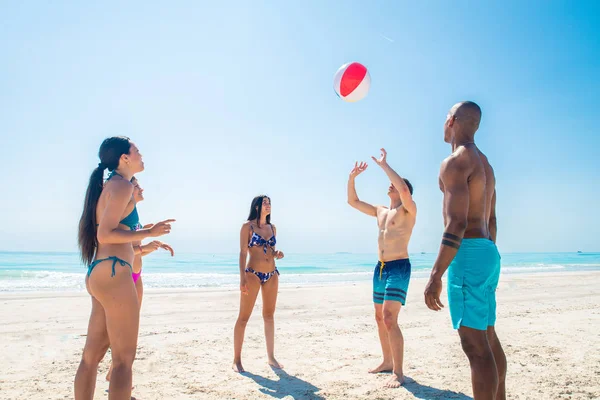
(36,271)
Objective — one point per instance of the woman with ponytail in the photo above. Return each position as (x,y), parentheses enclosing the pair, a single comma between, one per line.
(107,229)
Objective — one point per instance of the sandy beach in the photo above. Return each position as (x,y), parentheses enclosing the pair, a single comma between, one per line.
(325,337)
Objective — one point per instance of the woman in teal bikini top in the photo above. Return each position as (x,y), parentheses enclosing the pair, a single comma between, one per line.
(132,221)
(103,245)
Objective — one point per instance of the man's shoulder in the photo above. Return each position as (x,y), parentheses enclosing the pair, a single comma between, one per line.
(456,162)
(485,159)
(459,163)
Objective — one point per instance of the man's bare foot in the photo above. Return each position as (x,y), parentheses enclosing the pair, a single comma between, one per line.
(396,381)
(383,367)
(275,364)
(237,367)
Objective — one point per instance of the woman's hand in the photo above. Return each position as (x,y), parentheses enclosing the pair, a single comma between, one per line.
(243,285)
(150,247)
(165,247)
(161,228)
(155,245)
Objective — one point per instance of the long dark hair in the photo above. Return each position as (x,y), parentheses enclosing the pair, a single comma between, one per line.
(256,209)
(110,153)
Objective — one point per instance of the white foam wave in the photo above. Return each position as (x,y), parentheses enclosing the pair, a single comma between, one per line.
(43,280)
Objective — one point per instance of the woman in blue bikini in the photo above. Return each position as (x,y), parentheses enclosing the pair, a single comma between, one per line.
(258,273)
(105,241)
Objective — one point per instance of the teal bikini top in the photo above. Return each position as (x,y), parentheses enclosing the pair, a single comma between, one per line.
(133,219)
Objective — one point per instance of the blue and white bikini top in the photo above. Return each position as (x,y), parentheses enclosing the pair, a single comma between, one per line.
(257,240)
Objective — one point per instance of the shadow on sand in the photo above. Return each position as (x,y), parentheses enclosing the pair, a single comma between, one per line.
(286,385)
(428,392)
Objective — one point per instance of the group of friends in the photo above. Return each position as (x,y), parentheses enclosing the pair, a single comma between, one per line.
(111,235)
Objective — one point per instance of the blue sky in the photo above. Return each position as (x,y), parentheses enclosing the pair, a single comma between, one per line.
(230,99)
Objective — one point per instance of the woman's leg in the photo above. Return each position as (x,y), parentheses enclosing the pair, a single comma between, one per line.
(118,297)
(269,296)
(247,302)
(139,288)
(94,350)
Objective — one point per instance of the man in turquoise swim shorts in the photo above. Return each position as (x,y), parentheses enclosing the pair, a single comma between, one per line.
(392,272)
(468,251)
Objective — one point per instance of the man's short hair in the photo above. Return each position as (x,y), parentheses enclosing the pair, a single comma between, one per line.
(410,188)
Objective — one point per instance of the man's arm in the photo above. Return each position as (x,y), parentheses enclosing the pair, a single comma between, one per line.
(492,226)
(398,182)
(353,199)
(454,176)
(402,187)
(355,202)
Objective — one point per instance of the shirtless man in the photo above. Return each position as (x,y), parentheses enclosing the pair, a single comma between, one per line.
(392,273)
(468,250)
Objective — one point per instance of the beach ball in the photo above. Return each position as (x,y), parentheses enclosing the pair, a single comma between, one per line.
(352,82)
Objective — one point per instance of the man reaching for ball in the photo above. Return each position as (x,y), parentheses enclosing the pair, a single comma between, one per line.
(392,273)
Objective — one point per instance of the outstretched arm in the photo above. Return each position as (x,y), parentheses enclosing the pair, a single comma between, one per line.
(398,182)
(353,199)
(454,176)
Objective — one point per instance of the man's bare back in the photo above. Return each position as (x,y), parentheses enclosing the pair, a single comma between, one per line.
(469,163)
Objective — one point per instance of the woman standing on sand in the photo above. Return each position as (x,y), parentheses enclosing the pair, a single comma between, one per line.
(140,251)
(258,273)
(105,241)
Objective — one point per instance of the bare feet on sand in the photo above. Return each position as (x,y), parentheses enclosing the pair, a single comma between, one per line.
(275,364)
(237,367)
(383,367)
(395,381)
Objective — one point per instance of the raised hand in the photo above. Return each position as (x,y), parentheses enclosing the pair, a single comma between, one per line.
(161,228)
(383,160)
(358,169)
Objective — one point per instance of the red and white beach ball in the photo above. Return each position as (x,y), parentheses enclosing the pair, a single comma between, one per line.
(352,82)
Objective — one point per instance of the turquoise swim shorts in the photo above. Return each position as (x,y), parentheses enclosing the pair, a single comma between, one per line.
(473,278)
